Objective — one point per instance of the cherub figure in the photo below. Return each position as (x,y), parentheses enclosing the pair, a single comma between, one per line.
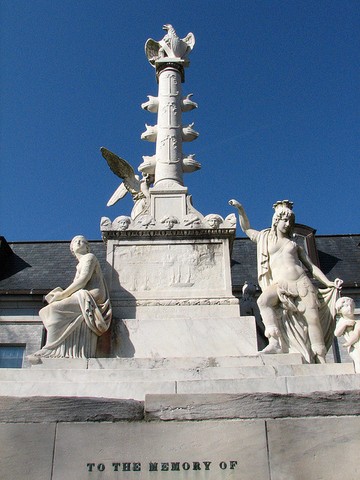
(121,223)
(145,221)
(349,327)
(169,221)
(213,220)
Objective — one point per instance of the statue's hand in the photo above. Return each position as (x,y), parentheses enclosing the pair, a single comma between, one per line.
(235,203)
(349,322)
(56,297)
(338,283)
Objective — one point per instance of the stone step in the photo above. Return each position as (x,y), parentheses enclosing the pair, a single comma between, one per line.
(134,378)
(314,370)
(169,362)
(126,375)
(135,385)
(202,372)
(119,390)
(300,385)
(109,387)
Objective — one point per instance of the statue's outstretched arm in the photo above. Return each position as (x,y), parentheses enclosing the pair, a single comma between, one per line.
(316,272)
(243,219)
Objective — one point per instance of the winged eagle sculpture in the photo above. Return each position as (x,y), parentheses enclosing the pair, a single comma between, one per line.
(138,188)
(170,46)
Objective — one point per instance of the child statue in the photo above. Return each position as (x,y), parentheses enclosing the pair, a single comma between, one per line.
(350,328)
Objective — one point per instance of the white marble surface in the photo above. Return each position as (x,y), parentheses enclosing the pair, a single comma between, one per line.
(231,444)
(133,378)
(26,451)
(169,268)
(243,385)
(187,337)
(314,448)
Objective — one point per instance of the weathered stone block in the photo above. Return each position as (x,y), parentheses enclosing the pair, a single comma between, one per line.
(314,448)
(211,450)
(26,451)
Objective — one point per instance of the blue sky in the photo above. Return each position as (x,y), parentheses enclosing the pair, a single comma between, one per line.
(277,83)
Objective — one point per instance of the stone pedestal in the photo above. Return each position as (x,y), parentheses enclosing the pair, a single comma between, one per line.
(163,201)
(172,296)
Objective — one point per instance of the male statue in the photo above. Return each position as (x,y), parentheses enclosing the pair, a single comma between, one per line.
(289,303)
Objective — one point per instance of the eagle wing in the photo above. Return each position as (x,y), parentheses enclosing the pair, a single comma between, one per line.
(118,165)
(190,41)
(119,193)
(124,170)
(152,48)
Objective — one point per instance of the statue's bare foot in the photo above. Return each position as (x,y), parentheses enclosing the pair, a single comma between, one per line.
(274,345)
(271,349)
(319,352)
(34,359)
(320,359)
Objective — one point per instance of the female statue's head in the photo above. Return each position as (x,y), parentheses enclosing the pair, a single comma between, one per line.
(283,211)
(78,240)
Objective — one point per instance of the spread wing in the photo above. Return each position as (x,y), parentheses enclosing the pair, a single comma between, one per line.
(124,170)
(152,48)
(190,41)
(118,165)
(119,193)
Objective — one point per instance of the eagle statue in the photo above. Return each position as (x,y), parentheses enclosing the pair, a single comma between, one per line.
(132,183)
(170,46)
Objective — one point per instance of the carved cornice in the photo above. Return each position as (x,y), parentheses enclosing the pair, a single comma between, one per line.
(175,64)
(169,302)
(170,234)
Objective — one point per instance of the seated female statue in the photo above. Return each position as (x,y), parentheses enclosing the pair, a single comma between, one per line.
(78,315)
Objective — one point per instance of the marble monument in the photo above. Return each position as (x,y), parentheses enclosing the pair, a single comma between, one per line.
(168,264)
(187,394)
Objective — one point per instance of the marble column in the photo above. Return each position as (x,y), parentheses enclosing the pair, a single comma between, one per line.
(168,170)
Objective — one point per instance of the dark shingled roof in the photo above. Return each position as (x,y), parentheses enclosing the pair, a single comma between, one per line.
(42,266)
(243,262)
(339,256)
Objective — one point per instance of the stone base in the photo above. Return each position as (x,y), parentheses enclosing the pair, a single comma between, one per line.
(216,418)
(171,295)
(134,378)
(314,446)
(185,337)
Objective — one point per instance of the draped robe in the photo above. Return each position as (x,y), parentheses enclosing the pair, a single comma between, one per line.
(74,323)
(292,320)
